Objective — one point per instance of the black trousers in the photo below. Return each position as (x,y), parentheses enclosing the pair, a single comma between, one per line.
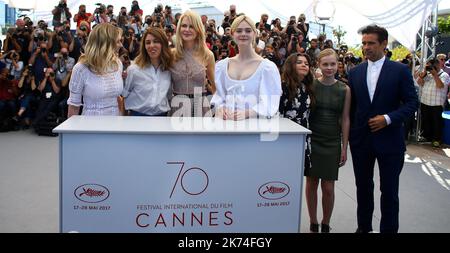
(390,167)
(432,122)
(45,107)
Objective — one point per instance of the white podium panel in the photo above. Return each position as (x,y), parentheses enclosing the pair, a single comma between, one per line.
(128,179)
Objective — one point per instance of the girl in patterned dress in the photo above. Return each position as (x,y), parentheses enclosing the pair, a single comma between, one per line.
(298,97)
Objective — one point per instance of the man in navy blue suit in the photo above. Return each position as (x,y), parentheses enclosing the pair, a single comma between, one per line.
(383,97)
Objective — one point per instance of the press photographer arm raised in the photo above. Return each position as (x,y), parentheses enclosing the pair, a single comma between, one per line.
(27,73)
(434,70)
(10,39)
(49,75)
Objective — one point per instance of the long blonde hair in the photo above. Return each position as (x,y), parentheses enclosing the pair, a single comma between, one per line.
(143,59)
(100,51)
(200,47)
(249,21)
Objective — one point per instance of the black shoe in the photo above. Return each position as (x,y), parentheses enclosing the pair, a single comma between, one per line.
(360,231)
(324,228)
(314,228)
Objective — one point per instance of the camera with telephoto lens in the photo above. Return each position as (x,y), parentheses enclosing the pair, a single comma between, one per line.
(62,5)
(39,37)
(158,8)
(294,39)
(168,9)
(429,68)
(430,65)
(100,9)
(159,17)
(11,55)
(169,29)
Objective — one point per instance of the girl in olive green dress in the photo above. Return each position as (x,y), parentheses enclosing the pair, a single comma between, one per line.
(329,123)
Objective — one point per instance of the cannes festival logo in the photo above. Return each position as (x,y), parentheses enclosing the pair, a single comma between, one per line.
(274,190)
(91,193)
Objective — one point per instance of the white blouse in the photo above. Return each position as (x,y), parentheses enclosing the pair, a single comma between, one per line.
(146,90)
(98,92)
(260,92)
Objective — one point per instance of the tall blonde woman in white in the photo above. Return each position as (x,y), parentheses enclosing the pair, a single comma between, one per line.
(96,81)
(248,86)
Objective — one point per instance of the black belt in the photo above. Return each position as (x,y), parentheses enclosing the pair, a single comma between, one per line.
(204,94)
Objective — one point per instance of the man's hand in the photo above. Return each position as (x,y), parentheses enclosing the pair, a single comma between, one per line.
(377,123)
(434,72)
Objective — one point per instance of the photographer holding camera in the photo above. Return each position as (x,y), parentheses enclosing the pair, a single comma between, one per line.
(110,12)
(136,24)
(131,43)
(123,19)
(11,41)
(296,45)
(49,98)
(233,13)
(169,20)
(63,64)
(79,41)
(13,64)
(303,26)
(276,27)
(8,94)
(226,20)
(27,87)
(262,25)
(39,61)
(82,15)
(99,16)
(61,13)
(433,82)
(40,34)
(62,37)
(350,61)
(291,27)
(158,17)
(147,22)
(313,50)
(272,55)
(136,10)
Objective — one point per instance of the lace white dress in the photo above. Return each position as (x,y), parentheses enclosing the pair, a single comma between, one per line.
(96,93)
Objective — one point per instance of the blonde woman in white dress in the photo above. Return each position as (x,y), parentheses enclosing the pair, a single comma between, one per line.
(248,86)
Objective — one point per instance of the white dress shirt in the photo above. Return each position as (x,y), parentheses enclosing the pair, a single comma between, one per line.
(147,90)
(373,73)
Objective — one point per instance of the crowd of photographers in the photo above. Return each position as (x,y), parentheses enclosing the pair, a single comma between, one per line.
(36,63)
